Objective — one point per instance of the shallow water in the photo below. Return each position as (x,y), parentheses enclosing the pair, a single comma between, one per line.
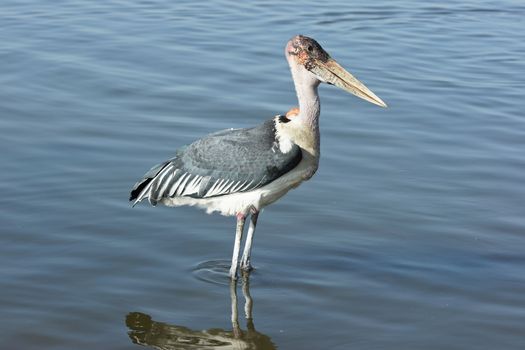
(410,236)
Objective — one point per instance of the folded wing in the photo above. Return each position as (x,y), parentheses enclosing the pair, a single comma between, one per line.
(230,161)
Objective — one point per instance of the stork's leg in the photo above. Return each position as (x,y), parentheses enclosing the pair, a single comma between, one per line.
(241,218)
(245,261)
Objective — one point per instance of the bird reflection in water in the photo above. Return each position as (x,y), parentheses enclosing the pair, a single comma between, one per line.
(145,331)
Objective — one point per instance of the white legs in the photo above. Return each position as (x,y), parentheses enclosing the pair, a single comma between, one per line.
(245,261)
(241,218)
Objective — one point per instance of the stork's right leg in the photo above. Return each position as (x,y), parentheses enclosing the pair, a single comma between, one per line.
(241,218)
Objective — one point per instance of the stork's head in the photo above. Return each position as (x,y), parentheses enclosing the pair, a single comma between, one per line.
(310,61)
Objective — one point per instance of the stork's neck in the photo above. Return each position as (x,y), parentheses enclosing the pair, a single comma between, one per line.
(309,104)
(308,136)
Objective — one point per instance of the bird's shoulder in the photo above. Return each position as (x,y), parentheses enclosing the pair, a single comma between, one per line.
(260,137)
(238,146)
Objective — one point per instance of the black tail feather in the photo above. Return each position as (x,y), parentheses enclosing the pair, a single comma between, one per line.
(138,188)
(150,175)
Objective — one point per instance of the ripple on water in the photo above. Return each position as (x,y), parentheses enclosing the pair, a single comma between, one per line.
(213,271)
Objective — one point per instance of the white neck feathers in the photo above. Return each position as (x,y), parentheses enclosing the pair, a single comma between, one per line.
(303,128)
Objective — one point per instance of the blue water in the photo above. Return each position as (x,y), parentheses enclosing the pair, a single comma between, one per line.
(410,236)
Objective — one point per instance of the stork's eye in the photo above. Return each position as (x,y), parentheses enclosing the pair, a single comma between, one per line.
(310,48)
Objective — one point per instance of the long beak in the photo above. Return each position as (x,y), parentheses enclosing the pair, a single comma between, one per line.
(332,73)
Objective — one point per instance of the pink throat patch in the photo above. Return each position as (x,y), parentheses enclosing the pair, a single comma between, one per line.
(292,112)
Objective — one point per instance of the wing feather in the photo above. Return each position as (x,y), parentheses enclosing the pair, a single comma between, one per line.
(229,161)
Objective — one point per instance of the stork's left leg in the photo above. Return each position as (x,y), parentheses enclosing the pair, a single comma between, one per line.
(241,218)
(245,261)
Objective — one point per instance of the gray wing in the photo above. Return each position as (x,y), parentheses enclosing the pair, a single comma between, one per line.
(225,162)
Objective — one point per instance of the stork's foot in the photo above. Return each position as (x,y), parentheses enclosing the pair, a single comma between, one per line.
(245,265)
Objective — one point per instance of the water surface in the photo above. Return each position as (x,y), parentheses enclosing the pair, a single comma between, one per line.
(410,236)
